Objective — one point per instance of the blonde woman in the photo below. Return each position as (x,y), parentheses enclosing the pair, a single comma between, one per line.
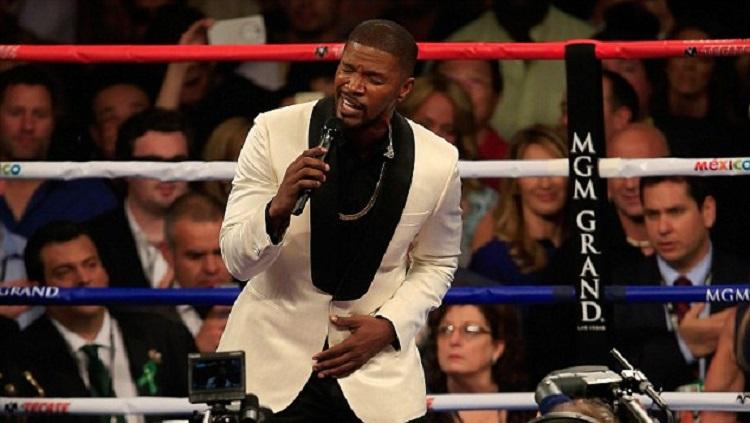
(514,242)
(224,144)
(444,108)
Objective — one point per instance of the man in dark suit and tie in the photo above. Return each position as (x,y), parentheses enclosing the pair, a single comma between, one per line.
(129,237)
(86,350)
(672,343)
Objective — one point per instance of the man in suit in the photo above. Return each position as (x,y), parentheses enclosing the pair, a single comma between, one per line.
(84,350)
(336,295)
(673,343)
(129,237)
(191,233)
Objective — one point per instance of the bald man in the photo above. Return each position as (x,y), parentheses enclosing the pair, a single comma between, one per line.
(634,141)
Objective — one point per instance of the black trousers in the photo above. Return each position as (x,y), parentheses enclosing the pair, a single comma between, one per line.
(321,400)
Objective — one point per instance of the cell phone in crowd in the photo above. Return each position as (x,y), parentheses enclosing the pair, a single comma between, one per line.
(239,31)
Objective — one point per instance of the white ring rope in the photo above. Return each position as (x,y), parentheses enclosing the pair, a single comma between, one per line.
(714,401)
(201,171)
(677,401)
(181,171)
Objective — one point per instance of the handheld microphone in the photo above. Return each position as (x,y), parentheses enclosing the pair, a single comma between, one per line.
(331,130)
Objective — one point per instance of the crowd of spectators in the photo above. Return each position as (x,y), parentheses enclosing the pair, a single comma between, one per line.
(164,235)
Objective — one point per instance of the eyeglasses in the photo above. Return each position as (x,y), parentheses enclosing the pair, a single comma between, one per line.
(470,330)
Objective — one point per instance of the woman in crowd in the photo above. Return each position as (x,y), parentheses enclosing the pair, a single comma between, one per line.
(514,242)
(444,108)
(224,144)
(475,349)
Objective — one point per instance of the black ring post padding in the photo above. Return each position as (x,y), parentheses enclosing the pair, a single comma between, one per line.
(587,191)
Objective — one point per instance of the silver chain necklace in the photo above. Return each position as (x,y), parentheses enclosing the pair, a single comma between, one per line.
(389,154)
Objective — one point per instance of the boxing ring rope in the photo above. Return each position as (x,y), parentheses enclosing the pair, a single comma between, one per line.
(201,171)
(191,171)
(712,401)
(48,295)
(314,52)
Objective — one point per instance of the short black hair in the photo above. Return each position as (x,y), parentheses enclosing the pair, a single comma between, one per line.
(58,231)
(697,189)
(389,37)
(623,94)
(105,77)
(194,206)
(153,119)
(29,75)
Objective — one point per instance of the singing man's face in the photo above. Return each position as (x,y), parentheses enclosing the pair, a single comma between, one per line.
(369,83)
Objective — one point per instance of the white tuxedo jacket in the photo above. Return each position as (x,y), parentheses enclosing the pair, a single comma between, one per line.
(281,319)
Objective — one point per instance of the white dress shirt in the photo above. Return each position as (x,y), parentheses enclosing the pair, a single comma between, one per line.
(112,354)
(152,261)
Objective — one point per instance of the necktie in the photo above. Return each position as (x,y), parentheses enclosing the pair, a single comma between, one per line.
(682,307)
(100,382)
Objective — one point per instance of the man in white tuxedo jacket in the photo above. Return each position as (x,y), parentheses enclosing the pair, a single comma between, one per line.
(336,294)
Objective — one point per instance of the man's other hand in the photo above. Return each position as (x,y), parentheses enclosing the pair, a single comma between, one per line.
(369,335)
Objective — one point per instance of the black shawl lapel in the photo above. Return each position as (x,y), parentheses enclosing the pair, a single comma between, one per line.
(385,214)
(323,207)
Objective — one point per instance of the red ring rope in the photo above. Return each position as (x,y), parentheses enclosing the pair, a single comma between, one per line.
(312,52)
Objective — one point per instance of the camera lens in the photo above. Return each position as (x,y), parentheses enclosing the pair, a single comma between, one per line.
(249,409)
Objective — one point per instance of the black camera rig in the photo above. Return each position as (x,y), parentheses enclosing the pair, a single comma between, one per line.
(618,391)
(218,379)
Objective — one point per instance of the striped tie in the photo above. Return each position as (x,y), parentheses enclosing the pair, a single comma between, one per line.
(682,307)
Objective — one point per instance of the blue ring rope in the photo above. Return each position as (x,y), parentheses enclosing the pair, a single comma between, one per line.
(461,295)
